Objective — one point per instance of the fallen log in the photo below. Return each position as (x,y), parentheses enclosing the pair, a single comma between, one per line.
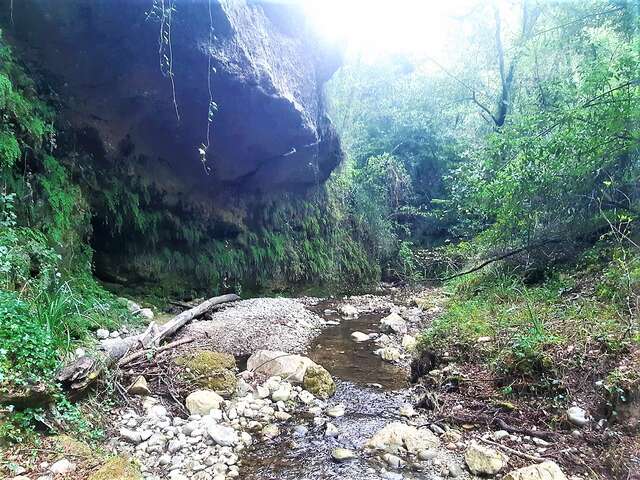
(81,373)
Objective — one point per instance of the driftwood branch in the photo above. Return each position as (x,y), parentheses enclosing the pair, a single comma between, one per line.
(497,258)
(142,353)
(534,458)
(488,420)
(85,370)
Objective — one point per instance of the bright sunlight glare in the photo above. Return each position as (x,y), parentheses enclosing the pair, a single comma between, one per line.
(374,28)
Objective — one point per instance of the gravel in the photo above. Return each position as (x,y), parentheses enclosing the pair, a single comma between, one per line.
(258,324)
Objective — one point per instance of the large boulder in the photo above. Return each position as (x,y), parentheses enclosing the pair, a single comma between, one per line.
(394,323)
(542,471)
(269,127)
(272,363)
(397,437)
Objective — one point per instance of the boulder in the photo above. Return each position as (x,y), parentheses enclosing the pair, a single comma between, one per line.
(62,467)
(140,387)
(146,313)
(394,323)
(348,311)
(542,471)
(389,354)
(289,366)
(210,370)
(30,396)
(409,342)
(201,402)
(483,460)
(397,436)
(318,381)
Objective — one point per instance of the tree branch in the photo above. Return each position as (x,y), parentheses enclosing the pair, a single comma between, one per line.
(511,253)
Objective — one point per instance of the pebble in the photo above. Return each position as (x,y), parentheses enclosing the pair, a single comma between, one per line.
(499,435)
(407,411)
(270,431)
(342,454)
(393,461)
(335,411)
(454,470)
(262,392)
(282,394)
(331,430)
(300,431)
(427,454)
(436,429)
(391,475)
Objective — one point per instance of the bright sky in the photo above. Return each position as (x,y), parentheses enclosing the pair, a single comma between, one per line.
(376,28)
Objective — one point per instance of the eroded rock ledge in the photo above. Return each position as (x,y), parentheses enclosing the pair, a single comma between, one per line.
(270,131)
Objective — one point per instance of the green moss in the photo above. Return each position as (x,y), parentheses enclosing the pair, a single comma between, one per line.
(210,370)
(69,446)
(318,381)
(117,468)
(207,361)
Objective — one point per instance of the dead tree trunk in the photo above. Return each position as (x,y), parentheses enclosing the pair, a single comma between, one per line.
(79,374)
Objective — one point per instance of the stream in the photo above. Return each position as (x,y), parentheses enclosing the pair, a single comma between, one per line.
(371,391)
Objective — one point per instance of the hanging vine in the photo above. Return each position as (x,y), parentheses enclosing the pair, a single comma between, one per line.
(162,11)
(212,106)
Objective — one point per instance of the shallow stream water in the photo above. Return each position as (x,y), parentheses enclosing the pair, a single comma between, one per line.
(371,391)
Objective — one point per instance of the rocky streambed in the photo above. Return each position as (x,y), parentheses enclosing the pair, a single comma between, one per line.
(308,388)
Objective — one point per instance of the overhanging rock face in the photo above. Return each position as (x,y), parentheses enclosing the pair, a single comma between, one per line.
(102,57)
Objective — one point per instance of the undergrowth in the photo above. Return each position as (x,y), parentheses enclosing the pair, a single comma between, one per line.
(49,301)
(533,331)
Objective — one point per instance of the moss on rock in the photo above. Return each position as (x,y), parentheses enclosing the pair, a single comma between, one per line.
(318,381)
(117,468)
(211,370)
(72,446)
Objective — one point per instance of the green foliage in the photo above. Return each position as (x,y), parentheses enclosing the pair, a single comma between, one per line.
(49,300)
(570,136)
(28,350)
(9,150)
(527,326)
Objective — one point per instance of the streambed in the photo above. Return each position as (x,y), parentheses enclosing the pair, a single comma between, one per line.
(372,392)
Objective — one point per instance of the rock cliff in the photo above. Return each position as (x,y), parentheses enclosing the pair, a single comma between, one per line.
(112,64)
